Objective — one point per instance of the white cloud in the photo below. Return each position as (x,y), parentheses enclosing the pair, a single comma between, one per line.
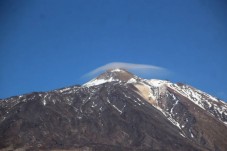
(141,69)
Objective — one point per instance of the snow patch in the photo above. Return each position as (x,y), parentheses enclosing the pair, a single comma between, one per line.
(63,90)
(108,100)
(171,111)
(98,82)
(182,134)
(116,70)
(192,136)
(117,108)
(93,104)
(132,80)
(44,102)
(157,83)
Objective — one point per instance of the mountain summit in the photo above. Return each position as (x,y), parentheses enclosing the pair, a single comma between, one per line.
(120,75)
(117,74)
(115,111)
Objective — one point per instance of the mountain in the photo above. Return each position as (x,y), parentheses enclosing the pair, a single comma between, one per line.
(115,111)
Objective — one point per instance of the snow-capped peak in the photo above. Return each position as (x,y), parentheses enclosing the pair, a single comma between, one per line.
(155,89)
(117,70)
(111,75)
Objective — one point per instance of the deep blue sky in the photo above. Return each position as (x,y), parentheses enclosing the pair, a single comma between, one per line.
(49,44)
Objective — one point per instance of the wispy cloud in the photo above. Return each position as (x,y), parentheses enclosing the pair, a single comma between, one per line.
(142,69)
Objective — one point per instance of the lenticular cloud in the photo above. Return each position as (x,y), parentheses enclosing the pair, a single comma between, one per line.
(143,69)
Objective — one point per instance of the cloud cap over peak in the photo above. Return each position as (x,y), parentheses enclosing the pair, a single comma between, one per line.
(143,70)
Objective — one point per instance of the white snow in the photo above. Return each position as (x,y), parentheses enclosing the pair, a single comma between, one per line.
(98,82)
(136,102)
(65,89)
(189,93)
(44,102)
(93,104)
(201,99)
(132,80)
(123,107)
(116,70)
(157,87)
(54,101)
(156,82)
(108,100)
(173,121)
(126,95)
(192,136)
(134,99)
(116,108)
(171,111)
(169,117)
(182,134)
(140,101)
(153,91)
(174,97)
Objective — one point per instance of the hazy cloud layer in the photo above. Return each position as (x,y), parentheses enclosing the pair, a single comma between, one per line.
(143,69)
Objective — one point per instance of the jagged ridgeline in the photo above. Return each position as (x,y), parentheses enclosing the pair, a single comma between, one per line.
(115,111)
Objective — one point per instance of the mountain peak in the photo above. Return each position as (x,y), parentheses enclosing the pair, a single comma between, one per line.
(115,74)
(117,70)
(128,113)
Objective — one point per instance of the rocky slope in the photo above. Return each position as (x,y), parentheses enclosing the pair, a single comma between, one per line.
(115,111)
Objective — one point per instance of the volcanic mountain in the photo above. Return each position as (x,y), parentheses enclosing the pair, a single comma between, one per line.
(115,111)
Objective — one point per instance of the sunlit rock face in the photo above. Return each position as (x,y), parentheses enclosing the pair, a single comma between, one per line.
(115,111)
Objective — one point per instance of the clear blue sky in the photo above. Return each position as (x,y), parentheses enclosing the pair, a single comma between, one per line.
(49,44)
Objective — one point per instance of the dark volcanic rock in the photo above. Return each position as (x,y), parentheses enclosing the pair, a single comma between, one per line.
(111,115)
